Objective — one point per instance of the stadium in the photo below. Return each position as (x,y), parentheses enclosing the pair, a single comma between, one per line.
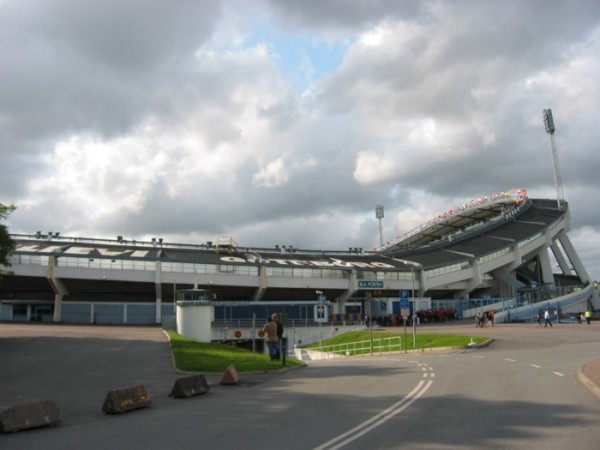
(503,251)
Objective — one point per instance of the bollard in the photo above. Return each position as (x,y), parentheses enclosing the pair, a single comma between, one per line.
(126,399)
(189,386)
(231,376)
(29,415)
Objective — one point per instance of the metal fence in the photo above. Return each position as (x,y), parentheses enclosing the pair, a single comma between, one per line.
(369,346)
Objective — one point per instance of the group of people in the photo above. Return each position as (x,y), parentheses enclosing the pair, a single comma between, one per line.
(421,316)
(274,336)
(436,315)
(587,316)
(484,319)
(547,321)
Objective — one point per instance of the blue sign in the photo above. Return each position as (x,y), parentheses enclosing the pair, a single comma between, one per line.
(404,303)
(365,284)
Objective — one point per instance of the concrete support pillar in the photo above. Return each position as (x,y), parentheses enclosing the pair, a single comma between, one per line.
(58,287)
(260,292)
(422,282)
(475,281)
(546,267)
(572,255)
(560,258)
(158,290)
(516,251)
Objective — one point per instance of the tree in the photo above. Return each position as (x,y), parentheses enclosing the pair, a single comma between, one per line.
(7,245)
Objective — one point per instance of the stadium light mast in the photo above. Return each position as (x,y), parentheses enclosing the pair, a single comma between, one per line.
(550,129)
(379,216)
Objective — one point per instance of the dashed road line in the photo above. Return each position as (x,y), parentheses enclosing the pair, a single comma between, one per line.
(559,374)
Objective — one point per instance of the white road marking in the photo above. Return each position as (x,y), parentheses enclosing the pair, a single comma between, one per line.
(510,360)
(362,429)
(533,365)
(559,374)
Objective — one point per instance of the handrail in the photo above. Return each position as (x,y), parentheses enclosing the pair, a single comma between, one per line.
(378,345)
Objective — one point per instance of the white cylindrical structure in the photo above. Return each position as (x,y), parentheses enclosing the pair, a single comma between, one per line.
(194,320)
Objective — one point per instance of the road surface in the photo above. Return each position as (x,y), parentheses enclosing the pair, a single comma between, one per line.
(521,391)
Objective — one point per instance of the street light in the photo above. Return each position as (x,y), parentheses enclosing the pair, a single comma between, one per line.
(379,216)
(412,265)
(321,307)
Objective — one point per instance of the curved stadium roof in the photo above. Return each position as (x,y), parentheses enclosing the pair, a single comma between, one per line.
(460,218)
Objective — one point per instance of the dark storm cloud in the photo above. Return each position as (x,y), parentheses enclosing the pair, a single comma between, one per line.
(328,14)
(98,67)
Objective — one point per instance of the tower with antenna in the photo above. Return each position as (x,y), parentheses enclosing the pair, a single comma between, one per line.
(550,129)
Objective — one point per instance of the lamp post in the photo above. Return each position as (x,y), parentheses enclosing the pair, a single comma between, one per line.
(551,129)
(321,301)
(379,216)
(412,276)
(370,322)
(412,265)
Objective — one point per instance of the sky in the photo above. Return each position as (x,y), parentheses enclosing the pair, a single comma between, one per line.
(287,122)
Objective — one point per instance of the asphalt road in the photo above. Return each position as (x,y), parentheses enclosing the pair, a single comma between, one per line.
(519,392)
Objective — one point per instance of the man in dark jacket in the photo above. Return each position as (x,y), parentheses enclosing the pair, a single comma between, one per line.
(270,330)
(275,318)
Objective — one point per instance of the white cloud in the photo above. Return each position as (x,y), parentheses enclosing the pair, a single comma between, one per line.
(273,175)
(177,122)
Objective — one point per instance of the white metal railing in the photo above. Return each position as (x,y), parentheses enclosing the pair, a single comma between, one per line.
(249,322)
(377,345)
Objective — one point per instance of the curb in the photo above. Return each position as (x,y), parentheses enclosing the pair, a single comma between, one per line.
(593,387)
(482,345)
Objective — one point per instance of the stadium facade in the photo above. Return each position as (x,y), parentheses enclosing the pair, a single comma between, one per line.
(499,251)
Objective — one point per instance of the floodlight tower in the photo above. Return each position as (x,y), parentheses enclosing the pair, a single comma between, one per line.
(550,129)
(379,216)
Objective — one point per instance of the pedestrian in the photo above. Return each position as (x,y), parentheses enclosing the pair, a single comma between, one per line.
(588,316)
(275,318)
(270,329)
(547,319)
(478,320)
(538,319)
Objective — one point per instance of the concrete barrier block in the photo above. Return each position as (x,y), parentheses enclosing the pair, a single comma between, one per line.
(126,399)
(189,386)
(231,376)
(29,415)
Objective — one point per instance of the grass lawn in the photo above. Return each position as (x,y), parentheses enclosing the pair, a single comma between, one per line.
(423,340)
(194,356)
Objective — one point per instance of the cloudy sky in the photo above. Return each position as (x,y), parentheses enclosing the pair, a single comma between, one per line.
(287,122)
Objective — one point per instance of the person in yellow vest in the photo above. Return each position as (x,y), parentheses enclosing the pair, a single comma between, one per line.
(588,316)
